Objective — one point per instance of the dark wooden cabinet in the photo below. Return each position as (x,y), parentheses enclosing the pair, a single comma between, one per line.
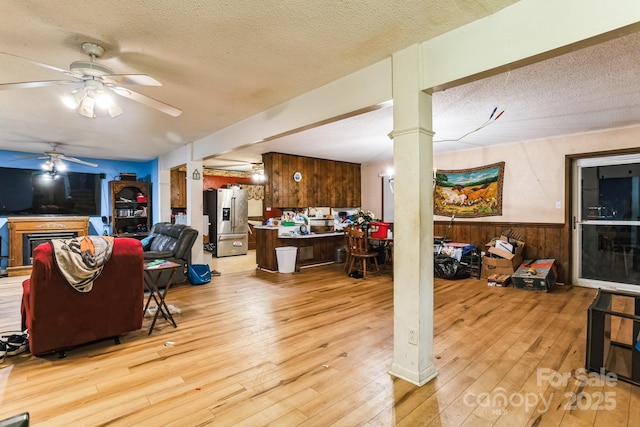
(130,208)
(266,242)
(251,241)
(322,182)
(178,189)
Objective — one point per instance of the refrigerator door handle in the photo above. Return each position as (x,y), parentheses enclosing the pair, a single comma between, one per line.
(233,214)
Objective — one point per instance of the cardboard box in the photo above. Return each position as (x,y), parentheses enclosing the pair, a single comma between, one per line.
(499,280)
(499,265)
(538,275)
(500,247)
(501,253)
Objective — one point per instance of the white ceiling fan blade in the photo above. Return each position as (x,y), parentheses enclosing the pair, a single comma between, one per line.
(149,102)
(237,165)
(212,163)
(75,160)
(29,85)
(29,156)
(40,64)
(132,79)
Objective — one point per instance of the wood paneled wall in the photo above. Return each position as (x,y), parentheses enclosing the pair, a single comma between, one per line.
(209,180)
(178,189)
(542,241)
(324,182)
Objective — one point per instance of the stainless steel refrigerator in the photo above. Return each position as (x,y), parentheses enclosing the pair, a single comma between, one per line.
(228,213)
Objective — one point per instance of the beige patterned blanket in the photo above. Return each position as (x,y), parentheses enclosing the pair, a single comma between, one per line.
(81,259)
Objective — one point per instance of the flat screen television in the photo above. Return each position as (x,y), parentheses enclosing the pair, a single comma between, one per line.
(35,192)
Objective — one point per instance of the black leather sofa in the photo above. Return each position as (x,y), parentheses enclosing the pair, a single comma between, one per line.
(171,242)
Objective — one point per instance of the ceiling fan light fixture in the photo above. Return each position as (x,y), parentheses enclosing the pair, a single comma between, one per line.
(86,106)
(258,173)
(103,99)
(97,77)
(114,110)
(52,174)
(60,166)
(72,100)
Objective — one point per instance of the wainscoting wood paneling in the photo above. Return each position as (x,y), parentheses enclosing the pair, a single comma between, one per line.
(542,241)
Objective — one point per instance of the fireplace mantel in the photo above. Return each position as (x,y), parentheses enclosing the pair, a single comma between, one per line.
(18,226)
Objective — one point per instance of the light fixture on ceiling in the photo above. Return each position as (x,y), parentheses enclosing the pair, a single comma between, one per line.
(92,95)
(52,167)
(258,173)
(390,175)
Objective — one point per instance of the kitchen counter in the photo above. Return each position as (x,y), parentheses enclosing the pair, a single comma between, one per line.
(310,235)
(313,235)
(289,232)
(313,248)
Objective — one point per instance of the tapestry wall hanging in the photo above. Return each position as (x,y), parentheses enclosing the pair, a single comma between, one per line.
(469,193)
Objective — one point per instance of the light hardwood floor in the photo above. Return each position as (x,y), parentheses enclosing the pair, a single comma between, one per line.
(314,349)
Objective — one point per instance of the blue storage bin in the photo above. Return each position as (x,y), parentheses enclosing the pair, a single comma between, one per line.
(199,274)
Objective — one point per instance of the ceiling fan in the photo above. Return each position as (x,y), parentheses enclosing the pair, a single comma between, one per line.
(54,160)
(95,81)
(257,168)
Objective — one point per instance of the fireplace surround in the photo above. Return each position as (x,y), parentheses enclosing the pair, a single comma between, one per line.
(35,229)
(31,240)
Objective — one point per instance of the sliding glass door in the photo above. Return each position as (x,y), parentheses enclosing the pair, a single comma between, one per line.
(606,222)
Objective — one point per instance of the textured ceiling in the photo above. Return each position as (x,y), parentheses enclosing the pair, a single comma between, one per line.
(590,89)
(218,61)
(223,61)
(594,88)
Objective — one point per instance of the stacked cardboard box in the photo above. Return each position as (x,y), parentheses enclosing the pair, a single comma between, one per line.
(503,256)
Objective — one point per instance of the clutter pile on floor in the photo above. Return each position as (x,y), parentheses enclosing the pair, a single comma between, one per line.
(13,343)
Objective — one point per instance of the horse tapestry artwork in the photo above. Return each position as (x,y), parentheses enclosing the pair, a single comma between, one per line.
(469,193)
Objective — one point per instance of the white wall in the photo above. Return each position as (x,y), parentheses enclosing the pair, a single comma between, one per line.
(371,185)
(534,173)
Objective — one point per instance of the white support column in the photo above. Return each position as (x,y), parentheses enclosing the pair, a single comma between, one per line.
(413,227)
(194,207)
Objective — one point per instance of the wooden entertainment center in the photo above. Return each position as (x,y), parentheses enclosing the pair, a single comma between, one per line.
(40,227)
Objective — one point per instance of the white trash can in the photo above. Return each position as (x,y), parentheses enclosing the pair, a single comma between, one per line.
(286,257)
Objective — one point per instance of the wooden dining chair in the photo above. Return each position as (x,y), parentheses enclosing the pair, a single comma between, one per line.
(359,252)
(347,245)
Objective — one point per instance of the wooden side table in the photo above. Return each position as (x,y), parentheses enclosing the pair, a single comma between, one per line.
(158,276)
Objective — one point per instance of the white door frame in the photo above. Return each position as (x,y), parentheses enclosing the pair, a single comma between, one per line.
(578,221)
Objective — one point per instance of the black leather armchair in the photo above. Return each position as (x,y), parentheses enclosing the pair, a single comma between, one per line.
(171,242)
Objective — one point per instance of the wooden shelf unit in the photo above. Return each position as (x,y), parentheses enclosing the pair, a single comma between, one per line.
(130,216)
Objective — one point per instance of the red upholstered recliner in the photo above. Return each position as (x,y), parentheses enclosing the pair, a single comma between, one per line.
(58,317)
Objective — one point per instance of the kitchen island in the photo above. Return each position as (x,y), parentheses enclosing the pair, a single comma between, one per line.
(313,248)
